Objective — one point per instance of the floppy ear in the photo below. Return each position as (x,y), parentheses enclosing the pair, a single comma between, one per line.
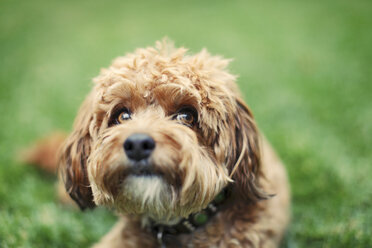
(244,167)
(74,156)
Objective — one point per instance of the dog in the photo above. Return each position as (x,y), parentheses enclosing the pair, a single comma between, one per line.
(166,141)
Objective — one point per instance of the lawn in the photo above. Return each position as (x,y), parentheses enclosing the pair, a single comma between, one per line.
(305,69)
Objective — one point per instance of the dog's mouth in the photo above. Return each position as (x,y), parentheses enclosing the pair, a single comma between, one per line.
(146,169)
(142,168)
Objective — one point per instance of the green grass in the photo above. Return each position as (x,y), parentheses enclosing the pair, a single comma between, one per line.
(305,70)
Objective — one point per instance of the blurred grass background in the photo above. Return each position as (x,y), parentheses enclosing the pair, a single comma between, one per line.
(305,70)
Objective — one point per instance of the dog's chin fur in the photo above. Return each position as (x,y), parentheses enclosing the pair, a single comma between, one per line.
(147,195)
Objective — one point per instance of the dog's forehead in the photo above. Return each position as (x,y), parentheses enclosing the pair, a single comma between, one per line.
(168,77)
(143,91)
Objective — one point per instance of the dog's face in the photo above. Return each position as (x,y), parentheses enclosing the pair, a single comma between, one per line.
(161,134)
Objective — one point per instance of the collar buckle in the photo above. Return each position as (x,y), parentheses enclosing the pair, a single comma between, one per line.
(159,237)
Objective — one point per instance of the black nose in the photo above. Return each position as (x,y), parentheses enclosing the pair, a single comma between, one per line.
(139,146)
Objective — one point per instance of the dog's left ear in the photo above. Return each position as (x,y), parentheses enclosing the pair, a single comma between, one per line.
(244,164)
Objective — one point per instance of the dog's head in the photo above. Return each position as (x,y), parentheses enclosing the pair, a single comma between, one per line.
(161,134)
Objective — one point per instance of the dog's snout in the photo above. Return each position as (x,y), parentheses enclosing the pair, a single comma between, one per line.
(139,146)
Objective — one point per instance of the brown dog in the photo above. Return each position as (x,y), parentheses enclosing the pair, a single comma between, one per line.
(165,140)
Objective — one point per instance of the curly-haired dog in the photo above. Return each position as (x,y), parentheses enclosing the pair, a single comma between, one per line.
(165,140)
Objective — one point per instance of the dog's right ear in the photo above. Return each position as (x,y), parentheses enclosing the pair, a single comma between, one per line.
(245,168)
(74,156)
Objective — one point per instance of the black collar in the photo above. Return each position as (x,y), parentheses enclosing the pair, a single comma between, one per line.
(191,223)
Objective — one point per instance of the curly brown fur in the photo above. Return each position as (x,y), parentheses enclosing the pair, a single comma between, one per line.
(190,164)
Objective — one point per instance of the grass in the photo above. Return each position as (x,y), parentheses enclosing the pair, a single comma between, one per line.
(305,70)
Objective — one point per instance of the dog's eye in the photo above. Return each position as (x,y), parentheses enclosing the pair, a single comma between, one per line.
(186,116)
(121,116)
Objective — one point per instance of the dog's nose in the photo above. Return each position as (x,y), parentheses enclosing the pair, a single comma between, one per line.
(139,146)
